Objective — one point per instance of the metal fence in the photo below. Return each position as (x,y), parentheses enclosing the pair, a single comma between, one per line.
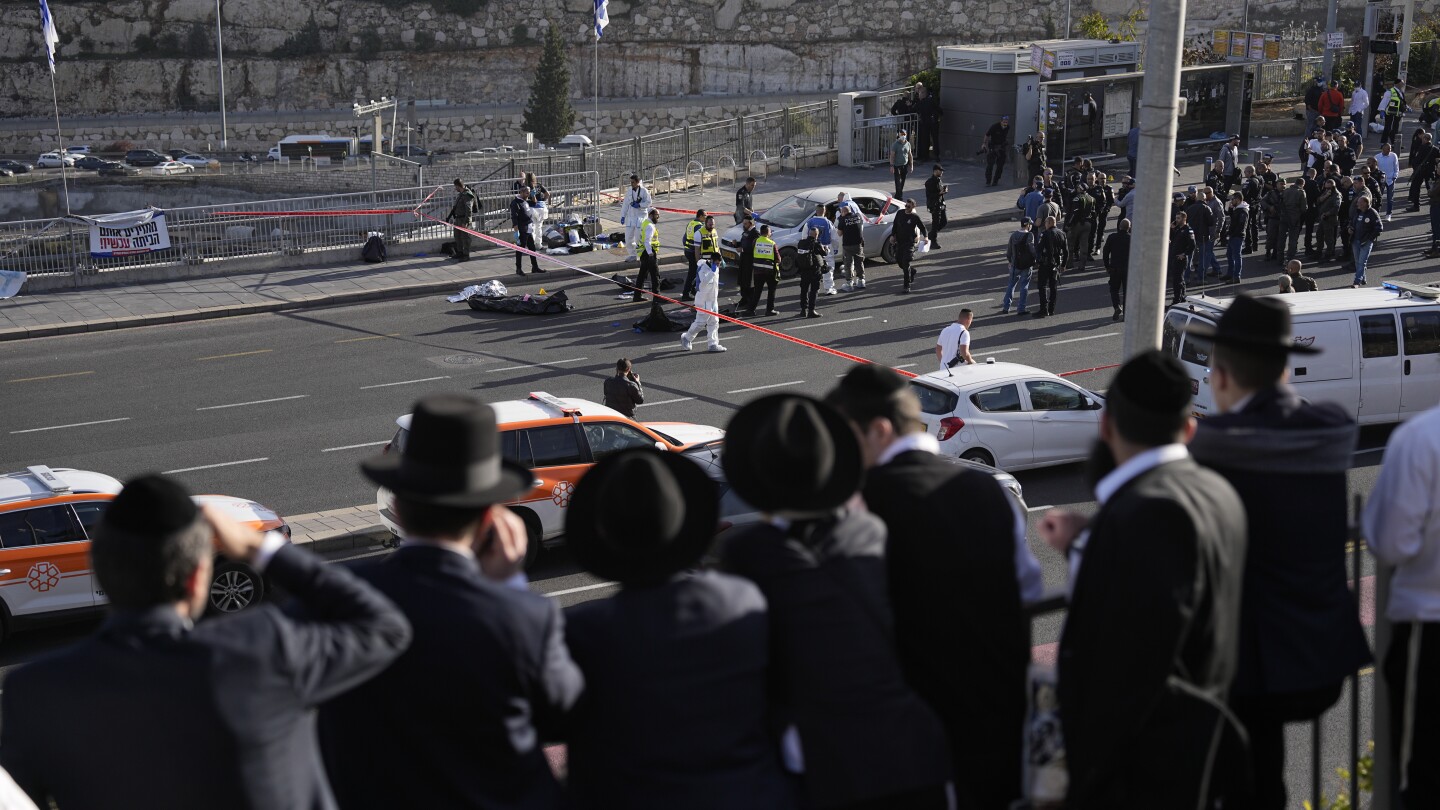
(271,227)
(1286,78)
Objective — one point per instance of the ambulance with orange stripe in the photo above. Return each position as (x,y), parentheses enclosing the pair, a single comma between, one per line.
(559,440)
(47,518)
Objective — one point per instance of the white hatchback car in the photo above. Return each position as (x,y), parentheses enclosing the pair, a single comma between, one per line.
(172,167)
(1008,415)
(55,160)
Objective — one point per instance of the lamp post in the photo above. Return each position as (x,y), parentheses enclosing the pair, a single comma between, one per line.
(220,52)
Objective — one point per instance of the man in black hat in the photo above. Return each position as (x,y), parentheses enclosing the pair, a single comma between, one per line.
(1149,644)
(855,731)
(488,677)
(947,583)
(1300,632)
(157,711)
(688,650)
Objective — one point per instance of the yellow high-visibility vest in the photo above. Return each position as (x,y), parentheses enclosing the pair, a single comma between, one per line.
(649,235)
(708,243)
(764,250)
(690,231)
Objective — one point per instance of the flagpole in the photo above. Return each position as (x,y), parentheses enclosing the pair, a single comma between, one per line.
(60,139)
(596,94)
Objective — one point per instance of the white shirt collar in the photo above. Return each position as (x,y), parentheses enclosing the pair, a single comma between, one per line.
(1142,463)
(921,441)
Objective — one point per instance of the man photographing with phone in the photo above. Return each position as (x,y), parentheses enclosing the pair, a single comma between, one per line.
(623,391)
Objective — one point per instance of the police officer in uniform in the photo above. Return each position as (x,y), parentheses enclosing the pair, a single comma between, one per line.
(692,248)
(766,267)
(745,275)
(1250,189)
(648,251)
(935,190)
(810,255)
(524,237)
(460,216)
(744,198)
(1394,111)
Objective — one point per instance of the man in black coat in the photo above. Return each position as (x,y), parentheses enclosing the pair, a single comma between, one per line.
(1149,645)
(935,191)
(745,273)
(1300,632)
(1181,251)
(676,710)
(963,580)
(623,390)
(1116,258)
(156,711)
(520,221)
(459,719)
(853,729)
(1051,256)
(907,229)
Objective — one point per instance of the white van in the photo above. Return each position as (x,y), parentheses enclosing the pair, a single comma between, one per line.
(1380,357)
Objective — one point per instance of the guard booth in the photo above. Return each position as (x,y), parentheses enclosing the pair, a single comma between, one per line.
(866,127)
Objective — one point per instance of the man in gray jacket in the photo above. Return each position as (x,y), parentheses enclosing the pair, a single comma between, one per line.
(1293,207)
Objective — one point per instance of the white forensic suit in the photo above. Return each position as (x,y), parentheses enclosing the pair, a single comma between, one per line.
(633,212)
(706,297)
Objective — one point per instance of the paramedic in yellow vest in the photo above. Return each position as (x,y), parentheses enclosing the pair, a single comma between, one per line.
(648,249)
(767,271)
(1394,108)
(692,251)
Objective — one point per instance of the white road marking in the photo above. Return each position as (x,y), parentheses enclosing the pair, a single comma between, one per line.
(582,588)
(958,304)
(403,382)
(1087,337)
(354,446)
(254,402)
(537,365)
(828,323)
(213,466)
(74,424)
(763,387)
(664,402)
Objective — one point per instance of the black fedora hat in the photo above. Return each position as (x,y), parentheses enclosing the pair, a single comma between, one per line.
(1254,323)
(639,543)
(451,458)
(789,454)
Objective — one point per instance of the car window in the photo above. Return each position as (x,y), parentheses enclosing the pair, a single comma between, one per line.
(510,447)
(556,446)
(1422,332)
(89,514)
(38,527)
(1048,395)
(1377,336)
(1000,399)
(606,438)
(789,212)
(1170,338)
(869,206)
(934,400)
(1196,350)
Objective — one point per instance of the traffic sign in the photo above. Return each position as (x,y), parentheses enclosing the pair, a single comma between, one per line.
(1334,40)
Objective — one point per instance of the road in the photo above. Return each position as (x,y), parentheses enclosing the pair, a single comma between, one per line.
(281,407)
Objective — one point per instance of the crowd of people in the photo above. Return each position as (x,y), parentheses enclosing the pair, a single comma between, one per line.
(855,648)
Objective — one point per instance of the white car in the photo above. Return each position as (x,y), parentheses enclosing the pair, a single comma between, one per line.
(198,161)
(1008,415)
(787,223)
(173,167)
(77,151)
(55,160)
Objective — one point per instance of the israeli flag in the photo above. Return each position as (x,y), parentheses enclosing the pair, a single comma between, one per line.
(602,16)
(47,32)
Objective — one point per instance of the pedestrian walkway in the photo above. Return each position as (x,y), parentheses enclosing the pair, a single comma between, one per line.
(99,309)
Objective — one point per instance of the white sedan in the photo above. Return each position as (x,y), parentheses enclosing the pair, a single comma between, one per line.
(1008,415)
(198,161)
(173,167)
(787,223)
(54,160)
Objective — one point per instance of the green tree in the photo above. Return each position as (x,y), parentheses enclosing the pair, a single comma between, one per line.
(549,114)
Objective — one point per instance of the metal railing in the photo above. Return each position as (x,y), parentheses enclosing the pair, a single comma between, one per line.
(205,233)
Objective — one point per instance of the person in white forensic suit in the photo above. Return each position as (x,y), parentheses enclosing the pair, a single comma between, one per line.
(633,210)
(707,297)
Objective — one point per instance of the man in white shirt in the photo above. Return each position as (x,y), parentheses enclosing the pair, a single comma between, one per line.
(1389,163)
(1402,529)
(634,209)
(1359,108)
(954,343)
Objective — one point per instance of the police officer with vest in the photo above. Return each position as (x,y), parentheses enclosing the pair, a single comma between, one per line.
(692,253)
(1394,106)
(648,250)
(745,274)
(460,217)
(765,258)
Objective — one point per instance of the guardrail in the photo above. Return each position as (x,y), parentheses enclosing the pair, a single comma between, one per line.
(204,233)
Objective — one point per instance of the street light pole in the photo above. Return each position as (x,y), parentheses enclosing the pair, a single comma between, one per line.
(220,51)
(1328,62)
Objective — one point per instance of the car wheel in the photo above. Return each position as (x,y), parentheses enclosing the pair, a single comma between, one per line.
(979,456)
(887,250)
(235,587)
(788,267)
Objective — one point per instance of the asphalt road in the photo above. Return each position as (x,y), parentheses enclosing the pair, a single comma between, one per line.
(281,407)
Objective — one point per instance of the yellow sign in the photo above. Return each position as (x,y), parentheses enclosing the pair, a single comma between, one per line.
(1222,42)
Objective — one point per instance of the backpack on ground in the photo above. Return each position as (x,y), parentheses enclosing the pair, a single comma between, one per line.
(374,250)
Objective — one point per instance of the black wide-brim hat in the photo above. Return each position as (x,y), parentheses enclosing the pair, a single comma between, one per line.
(789,454)
(641,516)
(1262,324)
(451,457)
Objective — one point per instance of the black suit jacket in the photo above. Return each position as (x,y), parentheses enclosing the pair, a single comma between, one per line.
(459,719)
(675,712)
(864,733)
(962,639)
(1157,597)
(153,713)
(1287,458)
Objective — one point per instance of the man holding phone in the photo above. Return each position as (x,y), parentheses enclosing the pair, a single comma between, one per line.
(624,391)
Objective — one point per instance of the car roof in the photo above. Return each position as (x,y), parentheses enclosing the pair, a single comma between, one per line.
(513,411)
(970,374)
(27,485)
(1318,302)
(829,193)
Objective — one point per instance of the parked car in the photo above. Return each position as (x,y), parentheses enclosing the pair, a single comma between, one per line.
(114,169)
(6,173)
(16,166)
(172,167)
(145,157)
(78,150)
(198,161)
(90,162)
(787,223)
(54,160)
(1008,415)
